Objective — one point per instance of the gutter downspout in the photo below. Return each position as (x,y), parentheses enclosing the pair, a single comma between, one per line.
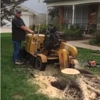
(73,14)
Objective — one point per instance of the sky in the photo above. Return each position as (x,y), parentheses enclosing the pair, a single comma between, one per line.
(35,5)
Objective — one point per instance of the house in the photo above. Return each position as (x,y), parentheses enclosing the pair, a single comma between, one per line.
(31,17)
(82,12)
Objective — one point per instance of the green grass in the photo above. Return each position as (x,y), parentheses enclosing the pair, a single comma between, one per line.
(14,79)
(84,55)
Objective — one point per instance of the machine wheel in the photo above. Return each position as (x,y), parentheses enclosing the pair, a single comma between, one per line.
(23,54)
(39,64)
(32,60)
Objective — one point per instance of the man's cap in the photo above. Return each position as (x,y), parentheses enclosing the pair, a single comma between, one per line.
(18,11)
(51,24)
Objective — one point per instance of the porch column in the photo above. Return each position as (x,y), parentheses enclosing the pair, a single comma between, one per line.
(47,16)
(73,14)
(61,15)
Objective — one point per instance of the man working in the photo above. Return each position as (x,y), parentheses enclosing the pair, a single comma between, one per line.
(18,35)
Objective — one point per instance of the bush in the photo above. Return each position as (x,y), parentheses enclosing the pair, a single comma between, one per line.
(58,25)
(92,41)
(75,32)
(96,36)
(32,27)
(68,33)
(43,28)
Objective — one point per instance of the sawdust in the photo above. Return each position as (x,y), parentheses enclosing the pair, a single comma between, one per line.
(52,84)
(17,96)
(47,88)
(96,54)
(44,80)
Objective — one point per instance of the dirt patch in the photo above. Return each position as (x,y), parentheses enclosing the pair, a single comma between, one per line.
(85,42)
(44,79)
(53,83)
(17,96)
(96,54)
(47,88)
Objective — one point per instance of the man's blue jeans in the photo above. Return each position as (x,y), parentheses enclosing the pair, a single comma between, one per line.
(17,47)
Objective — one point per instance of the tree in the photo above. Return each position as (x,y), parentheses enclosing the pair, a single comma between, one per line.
(7,8)
(53,12)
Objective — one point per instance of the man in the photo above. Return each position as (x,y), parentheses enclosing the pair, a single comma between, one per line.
(18,35)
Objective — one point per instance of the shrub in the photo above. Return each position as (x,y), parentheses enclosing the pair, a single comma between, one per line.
(57,24)
(32,27)
(75,32)
(96,36)
(68,33)
(92,41)
(43,28)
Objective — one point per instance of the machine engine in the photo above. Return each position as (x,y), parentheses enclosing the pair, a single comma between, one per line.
(52,38)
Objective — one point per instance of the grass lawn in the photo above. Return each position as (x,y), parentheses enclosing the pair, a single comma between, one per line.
(84,55)
(14,79)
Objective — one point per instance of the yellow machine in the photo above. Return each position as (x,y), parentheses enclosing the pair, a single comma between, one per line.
(64,54)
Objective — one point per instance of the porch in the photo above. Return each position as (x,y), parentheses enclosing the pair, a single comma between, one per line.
(84,13)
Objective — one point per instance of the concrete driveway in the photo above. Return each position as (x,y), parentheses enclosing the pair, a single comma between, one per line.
(83,44)
(5,29)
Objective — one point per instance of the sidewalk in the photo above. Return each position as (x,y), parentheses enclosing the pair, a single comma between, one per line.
(83,44)
(5,29)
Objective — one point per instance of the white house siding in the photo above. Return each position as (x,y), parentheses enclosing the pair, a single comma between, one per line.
(40,19)
(27,17)
(31,20)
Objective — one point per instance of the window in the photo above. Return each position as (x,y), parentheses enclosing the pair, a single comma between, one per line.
(81,14)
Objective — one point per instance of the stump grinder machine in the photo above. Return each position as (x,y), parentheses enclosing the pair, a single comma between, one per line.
(51,47)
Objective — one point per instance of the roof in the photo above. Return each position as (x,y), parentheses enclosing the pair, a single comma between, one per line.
(24,7)
(35,5)
(52,1)
(68,2)
(49,1)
